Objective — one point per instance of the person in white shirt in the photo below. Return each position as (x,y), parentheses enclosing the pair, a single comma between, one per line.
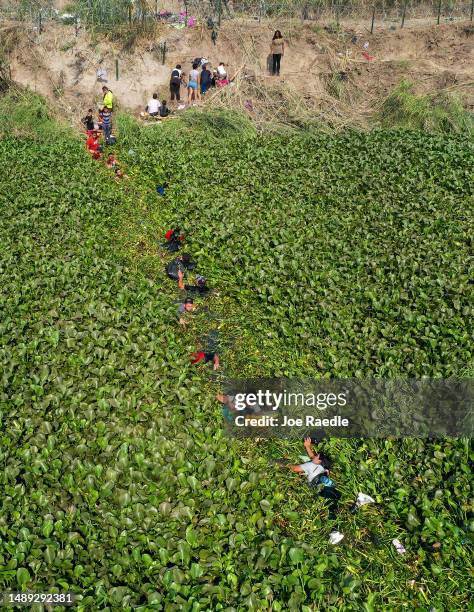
(221,71)
(316,471)
(318,464)
(153,106)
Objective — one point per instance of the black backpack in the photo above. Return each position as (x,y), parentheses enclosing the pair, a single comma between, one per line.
(176,266)
(175,77)
(172,245)
(173,268)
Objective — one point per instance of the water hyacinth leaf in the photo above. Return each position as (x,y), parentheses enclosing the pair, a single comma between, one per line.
(165,508)
(48,527)
(196,570)
(22,576)
(296,555)
(191,536)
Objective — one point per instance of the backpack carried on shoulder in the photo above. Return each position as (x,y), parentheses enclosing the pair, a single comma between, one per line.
(176,266)
(173,268)
(175,77)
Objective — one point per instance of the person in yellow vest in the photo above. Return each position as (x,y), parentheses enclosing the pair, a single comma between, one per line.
(108,101)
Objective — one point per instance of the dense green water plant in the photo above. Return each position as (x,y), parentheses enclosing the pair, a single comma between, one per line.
(117,480)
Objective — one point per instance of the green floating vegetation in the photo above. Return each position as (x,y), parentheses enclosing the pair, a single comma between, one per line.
(345,255)
(329,256)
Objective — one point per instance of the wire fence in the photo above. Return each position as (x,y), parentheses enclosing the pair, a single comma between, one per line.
(379,13)
(109,13)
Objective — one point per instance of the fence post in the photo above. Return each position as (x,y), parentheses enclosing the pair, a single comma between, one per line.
(163,50)
(116,70)
(219,13)
(373,20)
(130,14)
(40,25)
(76,26)
(439,12)
(472,9)
(404,13)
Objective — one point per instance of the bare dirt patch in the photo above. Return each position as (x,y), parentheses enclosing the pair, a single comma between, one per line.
(326,70)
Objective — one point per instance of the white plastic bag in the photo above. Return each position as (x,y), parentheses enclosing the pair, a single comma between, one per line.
(363,499)
(335,537)
(399,547)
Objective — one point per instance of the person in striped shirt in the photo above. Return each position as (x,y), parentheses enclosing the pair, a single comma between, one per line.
(107,124)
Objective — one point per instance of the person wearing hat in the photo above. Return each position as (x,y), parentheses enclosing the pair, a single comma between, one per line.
(183,308)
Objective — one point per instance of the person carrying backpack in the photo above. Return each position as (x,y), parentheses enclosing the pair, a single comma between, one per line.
(180,264)
(175,83)
(206,79)
(200,287)
(174,238)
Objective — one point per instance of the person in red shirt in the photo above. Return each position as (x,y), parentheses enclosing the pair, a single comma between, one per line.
(93,145)
(174,238)
(199,356)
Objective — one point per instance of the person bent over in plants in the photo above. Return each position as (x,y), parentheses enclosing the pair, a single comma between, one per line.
(317,472)
(119,174)
(93,145)
(174,238)
(201,356)
(229,409)
(179,265)
(200,286)
(187,306)
(111,161)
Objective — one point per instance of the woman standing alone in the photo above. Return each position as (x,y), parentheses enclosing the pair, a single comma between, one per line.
(277,49)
